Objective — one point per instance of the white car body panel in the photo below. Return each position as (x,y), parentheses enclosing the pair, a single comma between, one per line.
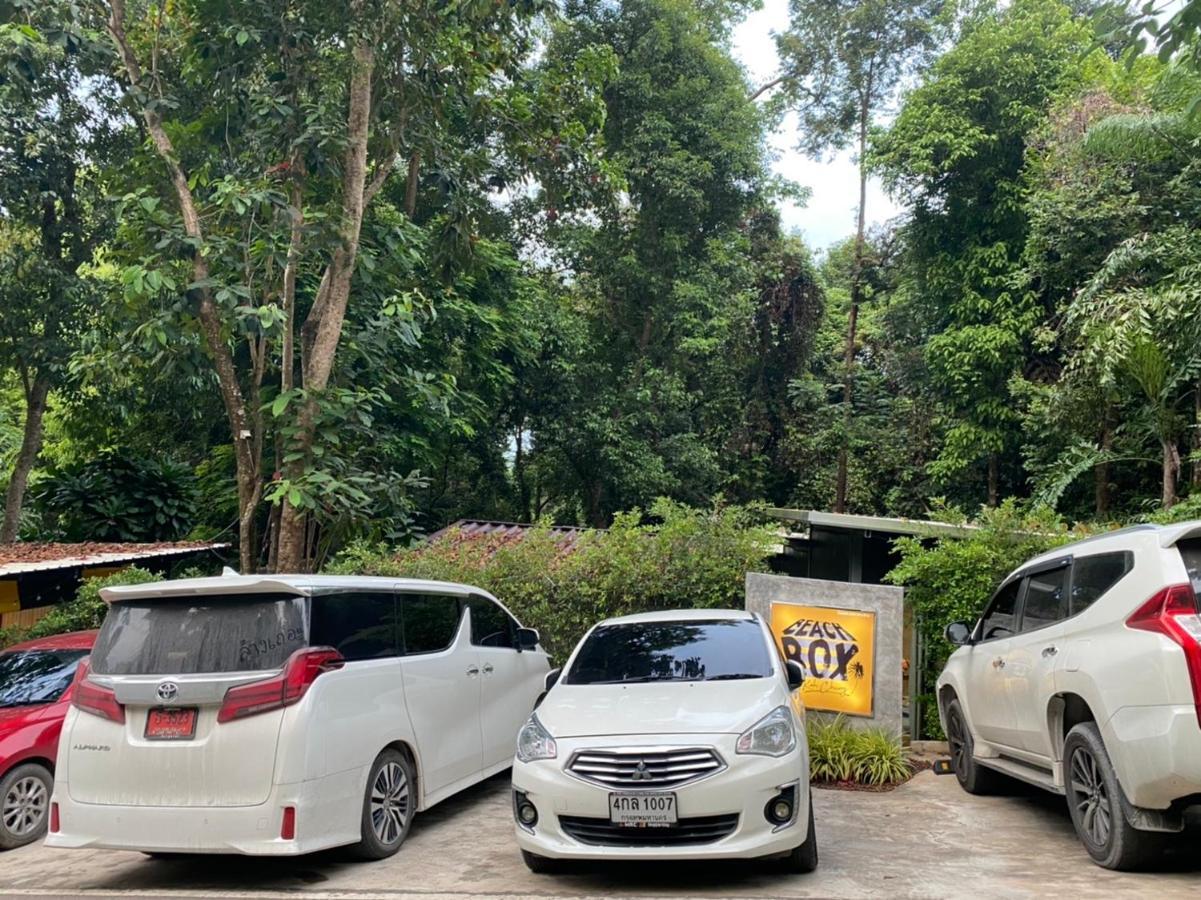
(656,716)
(224,791)
(1135,683)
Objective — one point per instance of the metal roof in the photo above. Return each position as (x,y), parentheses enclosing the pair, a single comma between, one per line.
(919,527)
(29,556)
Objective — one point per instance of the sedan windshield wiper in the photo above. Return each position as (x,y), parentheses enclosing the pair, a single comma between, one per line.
(733,676)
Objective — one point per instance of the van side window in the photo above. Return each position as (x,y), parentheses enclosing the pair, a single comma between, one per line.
(358,624)
(1046,599)
(998,621)
(491,626)
(1092,576)
(430,621)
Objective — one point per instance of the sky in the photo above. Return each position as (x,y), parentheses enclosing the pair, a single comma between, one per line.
(829,214)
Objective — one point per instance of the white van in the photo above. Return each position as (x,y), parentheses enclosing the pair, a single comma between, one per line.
(281,715)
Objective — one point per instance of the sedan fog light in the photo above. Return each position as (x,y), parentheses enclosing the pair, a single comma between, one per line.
(781,811)
(524,811)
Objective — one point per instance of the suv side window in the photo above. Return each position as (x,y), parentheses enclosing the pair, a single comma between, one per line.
(431,621)
(491,625)
(1092,576)
(358,624)
(1000,618)
(1046,598)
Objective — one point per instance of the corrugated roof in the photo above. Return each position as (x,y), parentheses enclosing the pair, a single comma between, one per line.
(920,527)
(34,556)
(501,533)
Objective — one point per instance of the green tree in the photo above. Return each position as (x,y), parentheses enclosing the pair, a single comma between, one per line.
(842,61)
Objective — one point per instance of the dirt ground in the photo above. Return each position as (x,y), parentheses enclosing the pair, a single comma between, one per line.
(925,839)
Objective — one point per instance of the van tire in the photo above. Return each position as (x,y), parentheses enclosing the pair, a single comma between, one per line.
(1097,805)
(973,777)
(390,795)
(25,805)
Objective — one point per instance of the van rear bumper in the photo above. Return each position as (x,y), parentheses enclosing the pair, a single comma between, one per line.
(328,814)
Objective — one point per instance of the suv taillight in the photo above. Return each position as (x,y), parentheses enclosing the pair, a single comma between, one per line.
(92,698)
(1173,613)
(284,689)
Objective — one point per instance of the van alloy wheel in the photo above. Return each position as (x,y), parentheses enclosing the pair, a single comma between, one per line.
(1091,797)
(389,803)
(24,810)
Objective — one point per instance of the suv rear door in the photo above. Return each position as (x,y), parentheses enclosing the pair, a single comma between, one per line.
(183,653)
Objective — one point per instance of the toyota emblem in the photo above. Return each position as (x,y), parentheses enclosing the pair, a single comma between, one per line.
(167,691)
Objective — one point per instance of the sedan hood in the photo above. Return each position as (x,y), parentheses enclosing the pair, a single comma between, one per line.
(676,707)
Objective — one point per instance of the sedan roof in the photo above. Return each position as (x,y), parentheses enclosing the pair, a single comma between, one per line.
(75,640)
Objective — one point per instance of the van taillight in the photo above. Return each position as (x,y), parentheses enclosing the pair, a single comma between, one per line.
(54,822)
(92,698)
(284,689)
(1173,612)
(287,828)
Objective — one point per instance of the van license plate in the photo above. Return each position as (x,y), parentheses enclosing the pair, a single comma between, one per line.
(642,810)
(165,723)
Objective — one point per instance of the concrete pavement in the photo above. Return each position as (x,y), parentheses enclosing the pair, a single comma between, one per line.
(925,839)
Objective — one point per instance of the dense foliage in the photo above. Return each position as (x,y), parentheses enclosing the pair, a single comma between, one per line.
(676,557)
(840,754)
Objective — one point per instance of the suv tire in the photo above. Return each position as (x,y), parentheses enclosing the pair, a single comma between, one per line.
(388,806)
(1097,807)
(973,777)
(24,805)
(804,857)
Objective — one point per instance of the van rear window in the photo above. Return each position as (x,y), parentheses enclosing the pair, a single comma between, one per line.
(198,635)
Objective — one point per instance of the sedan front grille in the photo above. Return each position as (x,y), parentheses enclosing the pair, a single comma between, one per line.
(602,832)
(634,769)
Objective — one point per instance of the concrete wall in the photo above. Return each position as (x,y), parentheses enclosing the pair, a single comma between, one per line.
(885,601)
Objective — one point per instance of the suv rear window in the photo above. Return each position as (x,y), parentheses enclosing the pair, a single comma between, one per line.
(672,651)
(199,634)
(1190,552)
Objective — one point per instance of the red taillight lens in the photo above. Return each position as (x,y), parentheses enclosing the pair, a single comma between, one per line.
(287,830)
(1173,612)
(284,689)
(54,823)
(92,698)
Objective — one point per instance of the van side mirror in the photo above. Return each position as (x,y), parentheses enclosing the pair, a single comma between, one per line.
(527,639)
(796,674)
(958,634)
(552,678)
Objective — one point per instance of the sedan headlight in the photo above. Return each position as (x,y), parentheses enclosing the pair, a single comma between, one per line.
(773,735)
(534,742)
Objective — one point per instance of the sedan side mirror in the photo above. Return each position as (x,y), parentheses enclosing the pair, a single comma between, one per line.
(527,639)
(552,678)
(796,674)
(958,634)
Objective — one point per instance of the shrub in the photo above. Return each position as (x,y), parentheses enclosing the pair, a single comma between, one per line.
(687,558)
(87,609)
(839,753)
(950,579)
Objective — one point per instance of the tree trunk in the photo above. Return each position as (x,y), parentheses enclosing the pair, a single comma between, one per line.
(848,356)
(323,327)
(1171,463)
(31,446)
(1101,475)
(993,479)
(1196,436)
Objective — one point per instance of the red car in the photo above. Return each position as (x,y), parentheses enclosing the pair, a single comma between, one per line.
(35,691)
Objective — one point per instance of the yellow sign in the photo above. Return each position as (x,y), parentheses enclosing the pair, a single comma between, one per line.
(836,648)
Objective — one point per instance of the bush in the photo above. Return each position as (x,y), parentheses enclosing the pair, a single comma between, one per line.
(688,558)
(949,579)
(839,753)
(87,609)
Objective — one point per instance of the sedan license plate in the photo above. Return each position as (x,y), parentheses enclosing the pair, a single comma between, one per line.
(165,723)
(642,810)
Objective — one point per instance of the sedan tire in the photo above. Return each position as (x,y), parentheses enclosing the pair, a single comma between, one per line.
(804,858)
(24,805)
(1095,803)
(540,865)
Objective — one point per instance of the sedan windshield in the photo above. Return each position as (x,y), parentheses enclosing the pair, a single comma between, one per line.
(28,677)
(718,650)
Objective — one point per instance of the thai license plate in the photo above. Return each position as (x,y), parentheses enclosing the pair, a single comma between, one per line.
(166,723)
(642,810)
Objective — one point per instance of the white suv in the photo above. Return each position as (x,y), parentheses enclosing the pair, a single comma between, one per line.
(669,735)
(1083,677)
(282,715)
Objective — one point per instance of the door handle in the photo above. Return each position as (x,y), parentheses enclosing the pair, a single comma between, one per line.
(998,663)
(1050,651)
(472,671)
(488,670)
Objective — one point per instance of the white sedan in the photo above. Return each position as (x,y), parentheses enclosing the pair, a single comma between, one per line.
(668,735)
